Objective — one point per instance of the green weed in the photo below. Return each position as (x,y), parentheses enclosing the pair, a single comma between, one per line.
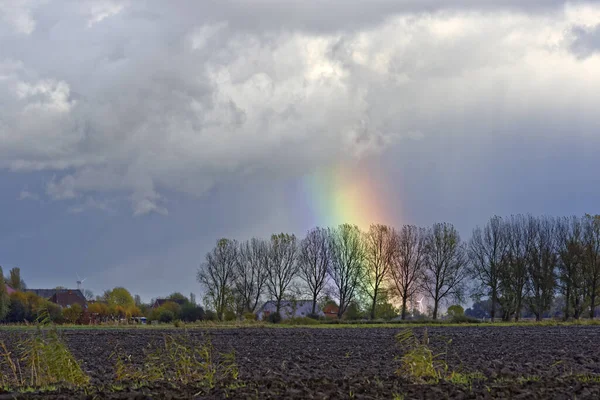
(419,362)
(179,361)
(42,360)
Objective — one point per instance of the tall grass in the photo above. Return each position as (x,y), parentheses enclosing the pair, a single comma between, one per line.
(178,360)
(42,359)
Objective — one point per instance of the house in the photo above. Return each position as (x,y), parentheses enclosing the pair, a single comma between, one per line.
(288,309)
(331,311)
(65,298)
(160,302)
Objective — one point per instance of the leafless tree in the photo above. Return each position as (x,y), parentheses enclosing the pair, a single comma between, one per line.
(380,247)
(513,274)
(251,273)
(407,263)
(542,263)
(487,250)
(570,264)
(314,261)
(217,274)
(445,265)
(591,269)
(346,268)
(283,266)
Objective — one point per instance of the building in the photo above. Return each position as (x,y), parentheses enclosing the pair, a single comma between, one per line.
(331,311)
(288,309)
(160,302)
(65,298)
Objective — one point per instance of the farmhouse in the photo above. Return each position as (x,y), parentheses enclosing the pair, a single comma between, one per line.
(65,298)
(288,309)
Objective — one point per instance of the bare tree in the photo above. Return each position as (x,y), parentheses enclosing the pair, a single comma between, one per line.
(346,268)
(541,266)
(251,273)
(445,265)
(217,274)
(487,249)
(314,261)
(513,274)
(282,267)
(591,269)
(407,263)
(570,264)
(380,247)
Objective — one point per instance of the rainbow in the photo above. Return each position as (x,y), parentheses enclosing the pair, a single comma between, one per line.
(343,193)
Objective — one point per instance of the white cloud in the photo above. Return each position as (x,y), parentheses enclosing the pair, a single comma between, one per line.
(156,101)
(27,195)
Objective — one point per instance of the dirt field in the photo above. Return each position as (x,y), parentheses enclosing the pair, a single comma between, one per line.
(517,362)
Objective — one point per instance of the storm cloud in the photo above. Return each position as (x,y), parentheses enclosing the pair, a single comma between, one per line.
(125,106)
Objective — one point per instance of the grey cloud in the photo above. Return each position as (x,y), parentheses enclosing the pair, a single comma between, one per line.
(586,41)
(139,99)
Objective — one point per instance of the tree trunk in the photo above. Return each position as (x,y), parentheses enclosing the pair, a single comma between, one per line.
(403,307)
(435,308)
(374,305)
(518,311)
(314,305)
(567,303)
(593,305)
(493,310)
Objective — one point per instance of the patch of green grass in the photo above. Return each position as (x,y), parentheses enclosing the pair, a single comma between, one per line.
(587,378)
(179,361)
(419,362)
(42,360)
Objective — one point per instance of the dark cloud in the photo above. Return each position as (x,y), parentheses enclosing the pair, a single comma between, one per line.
(586,41)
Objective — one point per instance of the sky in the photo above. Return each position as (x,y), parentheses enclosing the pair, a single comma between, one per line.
(134,134)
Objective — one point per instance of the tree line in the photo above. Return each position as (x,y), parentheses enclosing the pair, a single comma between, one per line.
(519,263)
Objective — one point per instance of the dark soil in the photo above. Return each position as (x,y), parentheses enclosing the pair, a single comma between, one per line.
(518,362)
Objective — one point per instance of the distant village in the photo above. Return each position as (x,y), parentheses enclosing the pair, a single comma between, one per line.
(21,304)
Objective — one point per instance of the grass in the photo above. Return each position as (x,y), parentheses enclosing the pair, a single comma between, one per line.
(41,362)
(179,361)
(308,323)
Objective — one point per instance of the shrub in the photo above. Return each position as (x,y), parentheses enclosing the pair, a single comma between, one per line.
(300,321)
(314,316)
(456,311)
(463,319)
(72,314)
(210,315)
(191,312)
(248,316)
(274,318)
(166,316)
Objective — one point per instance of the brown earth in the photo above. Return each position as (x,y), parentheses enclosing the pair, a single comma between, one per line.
(518,362)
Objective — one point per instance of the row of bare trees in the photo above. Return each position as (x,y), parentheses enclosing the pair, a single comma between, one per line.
(525,261)
(343,261)
(520,262)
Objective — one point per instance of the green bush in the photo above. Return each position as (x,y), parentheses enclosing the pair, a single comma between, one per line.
(274,318)
(463,319)
(191,312)
(166,316)
(314,316)
(210,315)
(248,316)
(300,321)
(456,311)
